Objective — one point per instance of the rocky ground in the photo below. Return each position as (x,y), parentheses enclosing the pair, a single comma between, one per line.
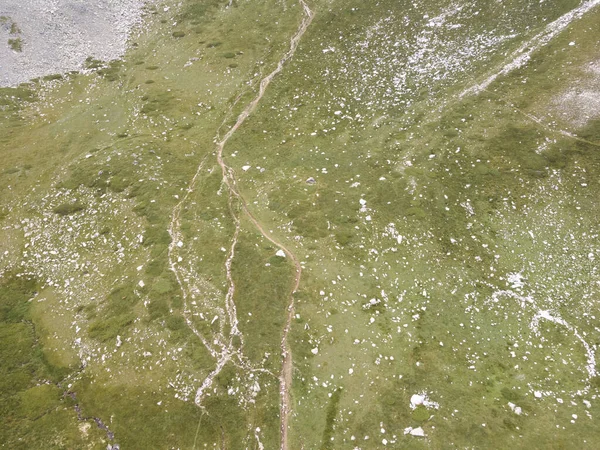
(43,37)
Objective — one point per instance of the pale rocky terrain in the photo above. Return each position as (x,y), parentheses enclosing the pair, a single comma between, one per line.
(58,35)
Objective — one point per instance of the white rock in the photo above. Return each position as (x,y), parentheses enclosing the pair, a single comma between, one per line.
(280,253)
(141,284)
(245,168)
(180,244)
(417,432)
(516,409)
(422,399)
(315,350)
(516,280)
(537,394)
(416,400)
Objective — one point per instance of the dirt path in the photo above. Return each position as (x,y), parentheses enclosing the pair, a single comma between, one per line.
(226,352)
(285,378)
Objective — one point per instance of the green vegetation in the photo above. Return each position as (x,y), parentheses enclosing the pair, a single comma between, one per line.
(115,315)
(448,244)
(262,296)
(52,77)
(66,209)
(33,409)
(16,44)
(332,410)
(14,28)
(196,12)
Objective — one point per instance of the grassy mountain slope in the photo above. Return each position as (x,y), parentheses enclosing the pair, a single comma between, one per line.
(448,236)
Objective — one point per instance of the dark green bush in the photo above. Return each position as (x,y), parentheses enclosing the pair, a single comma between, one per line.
(67,209)
(16,44)
(53,77)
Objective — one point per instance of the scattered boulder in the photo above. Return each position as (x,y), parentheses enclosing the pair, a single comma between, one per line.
(418,432)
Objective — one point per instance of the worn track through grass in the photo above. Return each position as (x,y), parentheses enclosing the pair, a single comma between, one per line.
(230,181)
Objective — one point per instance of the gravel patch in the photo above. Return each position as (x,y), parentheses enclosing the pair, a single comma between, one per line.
(43,37)
(581,102)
